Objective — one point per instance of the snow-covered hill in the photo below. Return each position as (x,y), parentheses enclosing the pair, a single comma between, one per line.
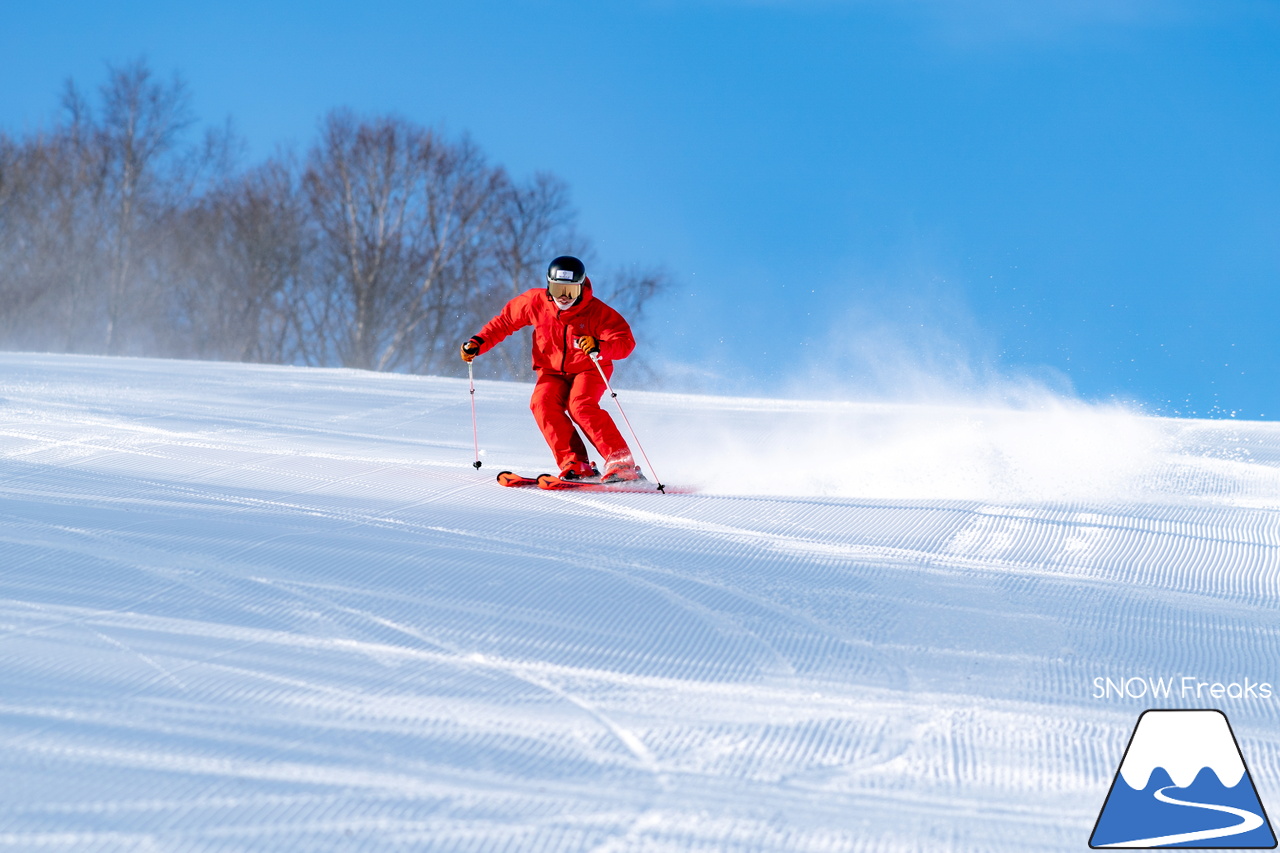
(273,609)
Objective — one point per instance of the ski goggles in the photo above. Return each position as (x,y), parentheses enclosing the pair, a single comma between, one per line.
(560,289)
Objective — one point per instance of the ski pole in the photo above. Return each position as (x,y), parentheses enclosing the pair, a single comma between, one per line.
(475,432)
(595,358)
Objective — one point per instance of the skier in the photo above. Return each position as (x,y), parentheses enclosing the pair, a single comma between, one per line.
(569,325)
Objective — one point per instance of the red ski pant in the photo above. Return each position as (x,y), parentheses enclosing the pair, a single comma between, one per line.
(562,400)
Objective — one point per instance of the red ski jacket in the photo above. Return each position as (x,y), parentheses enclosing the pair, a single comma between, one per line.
(555,332)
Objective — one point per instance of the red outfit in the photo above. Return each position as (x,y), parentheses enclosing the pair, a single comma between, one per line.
(569,387)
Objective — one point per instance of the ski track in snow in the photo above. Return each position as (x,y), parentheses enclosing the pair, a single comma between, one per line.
(262,608)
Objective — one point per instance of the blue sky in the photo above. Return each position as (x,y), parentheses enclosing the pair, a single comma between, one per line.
(860,198)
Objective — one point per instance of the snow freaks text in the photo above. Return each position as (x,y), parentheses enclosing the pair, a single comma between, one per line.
(1180,687)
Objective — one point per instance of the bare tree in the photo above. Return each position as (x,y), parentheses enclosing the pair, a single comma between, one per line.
(141,122)
(388,245)
(401,217)
(48,236)
(237,261)
(632,289)
(19,256)
(92,190)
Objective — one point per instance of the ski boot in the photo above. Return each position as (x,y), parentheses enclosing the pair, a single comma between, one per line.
(580,471)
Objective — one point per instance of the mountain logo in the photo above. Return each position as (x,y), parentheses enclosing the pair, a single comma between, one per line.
(1183,783)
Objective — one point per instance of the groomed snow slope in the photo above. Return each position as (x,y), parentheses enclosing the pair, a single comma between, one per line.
(274,609)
